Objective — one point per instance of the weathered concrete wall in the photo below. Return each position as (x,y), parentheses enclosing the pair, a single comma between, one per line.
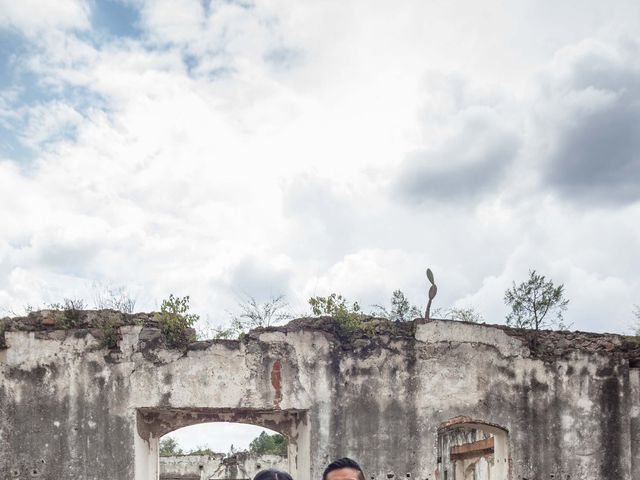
(189,467)
(241,466)
(71,409)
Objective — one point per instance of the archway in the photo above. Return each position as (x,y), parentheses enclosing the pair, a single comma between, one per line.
(221,451)
(153,423)
(473,450)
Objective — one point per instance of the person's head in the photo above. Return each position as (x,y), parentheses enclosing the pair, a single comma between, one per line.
(343,469)
(272,474)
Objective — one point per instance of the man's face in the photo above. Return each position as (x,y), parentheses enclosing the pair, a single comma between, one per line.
(343,474)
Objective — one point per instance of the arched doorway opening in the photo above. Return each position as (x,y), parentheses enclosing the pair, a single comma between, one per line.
(221,451)
(154,423)
(473,450)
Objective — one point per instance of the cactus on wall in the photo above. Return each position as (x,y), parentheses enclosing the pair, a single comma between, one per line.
(433,290)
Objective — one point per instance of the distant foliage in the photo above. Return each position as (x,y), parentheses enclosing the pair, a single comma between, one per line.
(201,450)
(636,326)
(275,444)
(176,321)
(349,316)
(401,309)
(536,303)
(169,447)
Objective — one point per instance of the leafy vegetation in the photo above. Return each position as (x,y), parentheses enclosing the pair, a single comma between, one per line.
(110,327)
(536,303)
(275,444)
(71,310)
(349,316)
(202,450)
(636,326)
(176,321)
(401,309)
(169,447)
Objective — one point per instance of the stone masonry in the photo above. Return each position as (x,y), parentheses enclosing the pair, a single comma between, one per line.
(218,466)
(419,400)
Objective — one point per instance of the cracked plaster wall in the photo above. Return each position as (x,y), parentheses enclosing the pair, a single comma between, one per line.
(71,409)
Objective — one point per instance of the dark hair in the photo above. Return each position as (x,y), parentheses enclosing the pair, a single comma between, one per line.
(272,474)
(345,462)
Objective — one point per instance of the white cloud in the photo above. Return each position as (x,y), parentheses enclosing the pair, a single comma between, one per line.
(233,148)
(48,121)
(33,16)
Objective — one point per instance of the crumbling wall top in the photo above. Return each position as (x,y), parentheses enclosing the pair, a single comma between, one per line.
(544,344)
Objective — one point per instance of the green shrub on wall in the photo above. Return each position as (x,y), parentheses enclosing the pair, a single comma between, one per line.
(349,316)
(110,327)
(176,321)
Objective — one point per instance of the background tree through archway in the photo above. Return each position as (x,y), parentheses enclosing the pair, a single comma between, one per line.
(221,451)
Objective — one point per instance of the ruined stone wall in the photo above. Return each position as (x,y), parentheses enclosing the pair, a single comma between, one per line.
(189,467)
(241,466)
(72,409)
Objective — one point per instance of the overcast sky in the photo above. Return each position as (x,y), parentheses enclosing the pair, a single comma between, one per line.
(222,148)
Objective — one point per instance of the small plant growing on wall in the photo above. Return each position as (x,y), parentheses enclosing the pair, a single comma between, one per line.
(249,314)
(176,321)
(71,312)
(110,327)
(349,316)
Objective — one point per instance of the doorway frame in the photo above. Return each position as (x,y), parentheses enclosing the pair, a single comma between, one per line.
(154,422)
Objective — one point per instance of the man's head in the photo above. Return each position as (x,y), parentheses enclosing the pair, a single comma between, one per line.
(343,469)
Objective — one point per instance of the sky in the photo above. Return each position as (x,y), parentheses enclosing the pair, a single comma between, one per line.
(219,149)
(219,437)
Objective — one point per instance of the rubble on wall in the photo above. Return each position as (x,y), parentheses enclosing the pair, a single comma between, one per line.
(544,344)
(549,344)
(74,408)
(44,320)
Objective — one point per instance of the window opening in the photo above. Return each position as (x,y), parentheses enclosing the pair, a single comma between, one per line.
(221,451)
